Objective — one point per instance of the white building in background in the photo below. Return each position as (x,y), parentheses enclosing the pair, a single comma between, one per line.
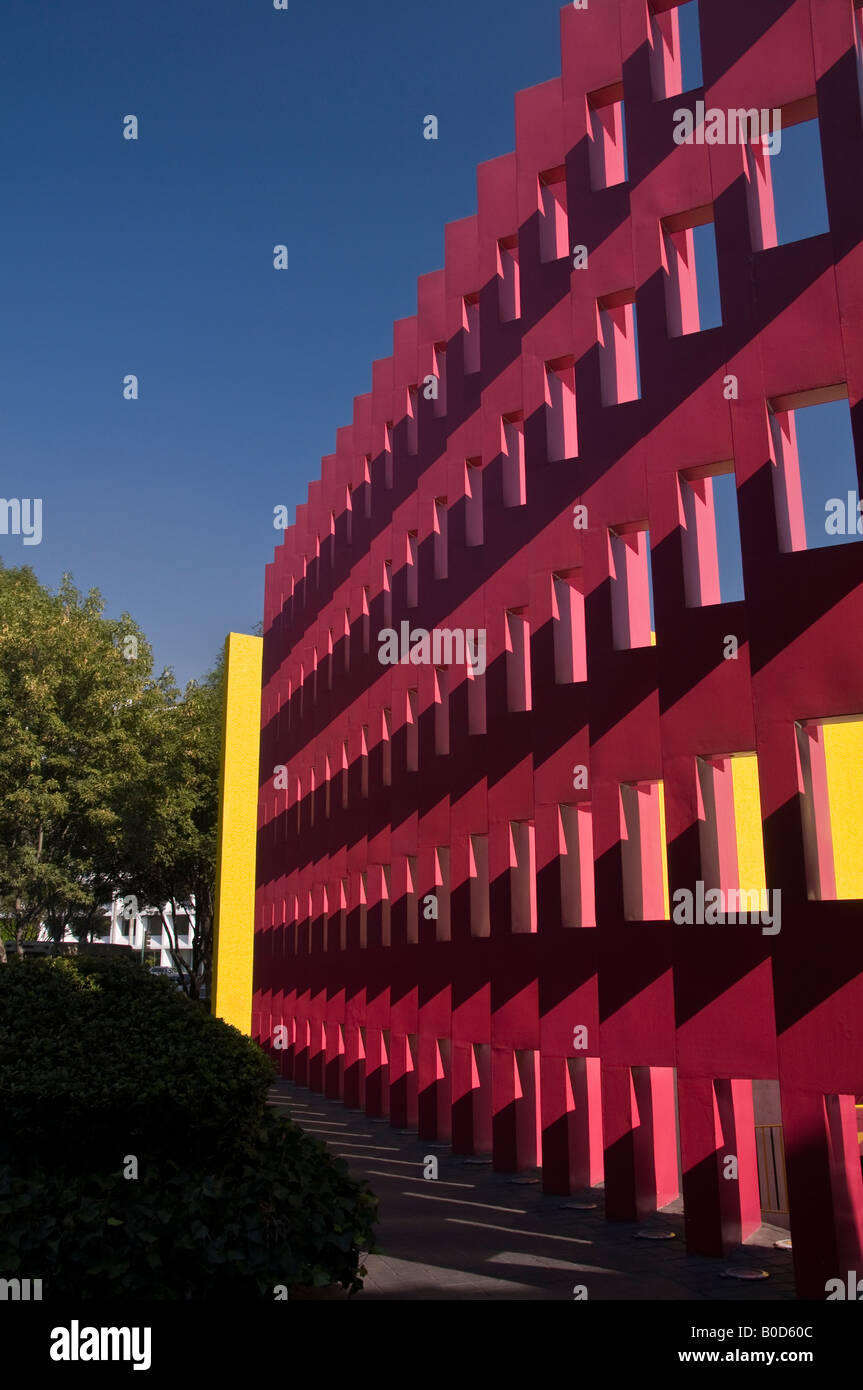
(141,929)
(144,928)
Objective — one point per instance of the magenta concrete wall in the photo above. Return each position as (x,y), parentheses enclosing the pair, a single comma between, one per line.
(465,1026)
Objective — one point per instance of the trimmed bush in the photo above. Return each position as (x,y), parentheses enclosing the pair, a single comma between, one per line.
(102,1060)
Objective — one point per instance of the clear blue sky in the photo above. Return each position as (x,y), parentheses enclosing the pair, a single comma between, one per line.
(257,127)
(154,257)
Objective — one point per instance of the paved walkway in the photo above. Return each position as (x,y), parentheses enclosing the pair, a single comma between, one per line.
(477,1234)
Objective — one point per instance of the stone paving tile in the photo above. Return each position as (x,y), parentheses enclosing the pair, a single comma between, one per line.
(493,1239)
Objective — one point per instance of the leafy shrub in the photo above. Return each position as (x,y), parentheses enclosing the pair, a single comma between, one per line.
(230,1200)
(290,1214)
(101,1059)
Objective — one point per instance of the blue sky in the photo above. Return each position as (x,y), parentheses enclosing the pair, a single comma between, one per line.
(154,257)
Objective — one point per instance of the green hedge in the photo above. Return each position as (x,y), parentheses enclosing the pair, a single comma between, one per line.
(101,1060)
(105,1055)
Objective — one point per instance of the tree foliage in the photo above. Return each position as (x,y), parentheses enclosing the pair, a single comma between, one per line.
(108,774)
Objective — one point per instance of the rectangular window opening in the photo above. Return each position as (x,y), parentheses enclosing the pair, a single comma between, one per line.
(796,172)
(343,913)
(476,702)
(607,133)
(522,846)
(412,900)
(691,273)
(514,483)
(730,834)
(570,644)
(471,321)
(441,710)
(643,852)
(553,224)
(386,904)
(830,753)
(560,412)
(364,760)
(814,470)
(443,927)
(439,401)
(518,688)
(412,730)
(441,539)
(577,898)
(710,530)
(509,280)
(675,48)
(480,919)
(631,587)
(617,329)
(473,522)
(387,748)
(363,904)
(412,431)
(346,643)
(387,590)
(412,570)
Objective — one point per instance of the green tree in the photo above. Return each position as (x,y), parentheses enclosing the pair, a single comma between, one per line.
(109,777)
(78,702)
(173,858)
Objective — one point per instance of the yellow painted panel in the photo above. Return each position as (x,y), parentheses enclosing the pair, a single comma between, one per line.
(233,934)
(663,844)
(843,751)
(752,876)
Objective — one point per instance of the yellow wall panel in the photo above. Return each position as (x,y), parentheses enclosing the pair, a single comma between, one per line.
(843,752)
(752,876)
(663,844)
(233,935)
